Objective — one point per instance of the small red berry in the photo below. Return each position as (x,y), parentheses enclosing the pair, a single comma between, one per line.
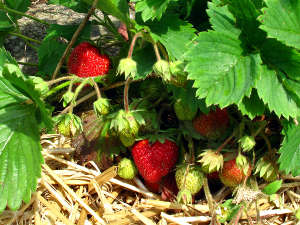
(213,124)
(86,61)
(156,160)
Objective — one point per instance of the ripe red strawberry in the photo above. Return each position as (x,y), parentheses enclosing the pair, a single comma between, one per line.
(213,124)
(154,160)
(86,61)
(231,175)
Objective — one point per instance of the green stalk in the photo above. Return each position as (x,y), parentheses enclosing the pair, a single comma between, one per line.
(9,10)
(77,91)
(25,37)
(28,64)
(57,88)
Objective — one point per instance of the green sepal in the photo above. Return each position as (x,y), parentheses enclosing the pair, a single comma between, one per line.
(162,68)
(102,106)
(127,66)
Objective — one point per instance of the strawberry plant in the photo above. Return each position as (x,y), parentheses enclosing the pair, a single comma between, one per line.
(219,75)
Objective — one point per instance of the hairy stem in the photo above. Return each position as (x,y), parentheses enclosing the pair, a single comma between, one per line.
(135,37)
(86,97)
(77,91)
(219,149)
(126,89)
(156,52)
(74,38)
(51,82)
(57,88)
(208,196)
(28,64)
(97,89)
(24,37)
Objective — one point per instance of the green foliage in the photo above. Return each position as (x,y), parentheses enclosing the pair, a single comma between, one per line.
(242,55)
(272,188)
(151,9)
(289,152)
(49,54)
(76,5)
(8,20)
(20,149)
(117,8)
(280,19)
(174,33)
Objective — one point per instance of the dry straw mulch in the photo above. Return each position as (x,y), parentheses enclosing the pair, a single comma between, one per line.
(69,193)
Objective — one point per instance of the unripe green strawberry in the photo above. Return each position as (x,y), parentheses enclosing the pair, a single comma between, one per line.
(184,111)
(247,143)
(128,67)
(127,169)
(127,140)
(64,129)
(189,177)
(102,106)
(68,124)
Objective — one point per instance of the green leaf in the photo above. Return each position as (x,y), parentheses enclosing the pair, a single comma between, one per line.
(252,106)
(246,15)
(272,188)
(222,20)
(14,75)
(5,57)
(281,58)
(5,23)
(145,59)
(151,9)
(67,31)
(271,90)
(76,5)
(174,33)
(116,8)
(290,149)
(281,20)
(49,53)
(7,20)
(20,155)
(221,73)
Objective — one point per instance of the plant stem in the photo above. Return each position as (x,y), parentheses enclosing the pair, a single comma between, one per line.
(96,88)
(135,37)
(51,82)
(262,126)
(24,37)
(28,64)
(156,52)
(77,91)
(191,149)
(208,196)
(86,97)
(57,88)
(267,142)
(126,88)
(9,10)
(74,38)
(226,141)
